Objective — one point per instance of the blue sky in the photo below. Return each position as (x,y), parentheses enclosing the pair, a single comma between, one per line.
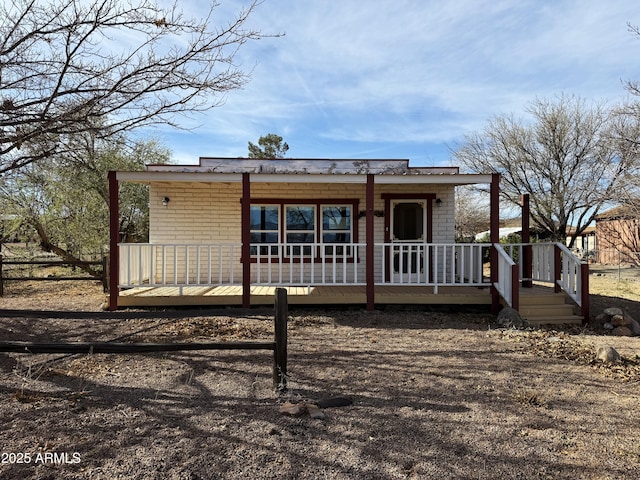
(407,79)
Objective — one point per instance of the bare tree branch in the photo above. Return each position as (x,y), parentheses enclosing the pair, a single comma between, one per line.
(69,65)
(570,160)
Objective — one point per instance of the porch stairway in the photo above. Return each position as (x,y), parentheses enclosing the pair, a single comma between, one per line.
(542,306)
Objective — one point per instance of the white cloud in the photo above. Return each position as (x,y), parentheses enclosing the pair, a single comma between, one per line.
(415,72)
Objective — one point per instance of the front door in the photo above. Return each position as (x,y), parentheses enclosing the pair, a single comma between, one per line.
(408,235)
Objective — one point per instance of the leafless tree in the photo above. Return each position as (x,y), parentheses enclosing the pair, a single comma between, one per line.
(106,67)
(472,213)
(567,158)
(618,228)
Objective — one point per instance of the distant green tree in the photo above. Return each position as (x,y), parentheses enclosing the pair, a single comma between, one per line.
(65,200)
(269,146)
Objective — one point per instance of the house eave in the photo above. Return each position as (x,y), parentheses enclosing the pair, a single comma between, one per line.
(210,177)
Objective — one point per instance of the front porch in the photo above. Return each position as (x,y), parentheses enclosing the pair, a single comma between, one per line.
(231,295)
(524,276)
(536,298)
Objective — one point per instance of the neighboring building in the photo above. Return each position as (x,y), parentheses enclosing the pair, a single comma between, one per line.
(617,236)
(585,244)
(504,232)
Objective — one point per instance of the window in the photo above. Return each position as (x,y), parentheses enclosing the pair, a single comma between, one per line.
(264,221)
(408,221)
(301,226)
(336,228)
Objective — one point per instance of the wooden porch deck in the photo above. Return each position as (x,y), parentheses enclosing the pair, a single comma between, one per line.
(231,295)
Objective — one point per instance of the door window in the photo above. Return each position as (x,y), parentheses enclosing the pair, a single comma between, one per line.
(408,221)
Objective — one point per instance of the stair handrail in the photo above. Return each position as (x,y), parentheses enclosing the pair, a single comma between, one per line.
(508,278)
(571,275)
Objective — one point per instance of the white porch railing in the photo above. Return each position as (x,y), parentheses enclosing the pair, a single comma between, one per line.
(569,278)
(179,264)
(430,264)
(542,259)
(570,274)
(135,264)
(308,264)
(305,264)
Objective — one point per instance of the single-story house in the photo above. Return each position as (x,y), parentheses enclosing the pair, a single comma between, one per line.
(227,231)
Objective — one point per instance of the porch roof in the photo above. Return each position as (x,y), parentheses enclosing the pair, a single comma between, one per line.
(226,170)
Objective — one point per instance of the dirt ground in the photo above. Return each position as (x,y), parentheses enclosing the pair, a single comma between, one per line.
(435,395)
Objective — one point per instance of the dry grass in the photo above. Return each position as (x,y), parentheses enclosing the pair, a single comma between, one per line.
(610,286)
(435,396)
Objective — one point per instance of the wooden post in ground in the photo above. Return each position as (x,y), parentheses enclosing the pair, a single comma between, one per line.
(114,240)
(245,255)
(280,351)
(1,279)
(369,253)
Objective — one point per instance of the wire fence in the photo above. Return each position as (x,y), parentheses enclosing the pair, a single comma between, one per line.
(51,270)
(625,265)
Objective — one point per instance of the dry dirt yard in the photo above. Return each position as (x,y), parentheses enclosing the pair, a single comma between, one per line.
(435,395)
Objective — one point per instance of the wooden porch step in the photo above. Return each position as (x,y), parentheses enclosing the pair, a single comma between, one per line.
(528,297)
(546,310)
(543,306)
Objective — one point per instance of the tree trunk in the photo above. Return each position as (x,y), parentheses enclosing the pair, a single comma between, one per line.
(47,246)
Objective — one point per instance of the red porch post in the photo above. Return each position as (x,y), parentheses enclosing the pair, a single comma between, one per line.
(494,237)
(527,254)
(114,238)
(370,246)
(515,287)
(584,292)
(245,214)
(557,268)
